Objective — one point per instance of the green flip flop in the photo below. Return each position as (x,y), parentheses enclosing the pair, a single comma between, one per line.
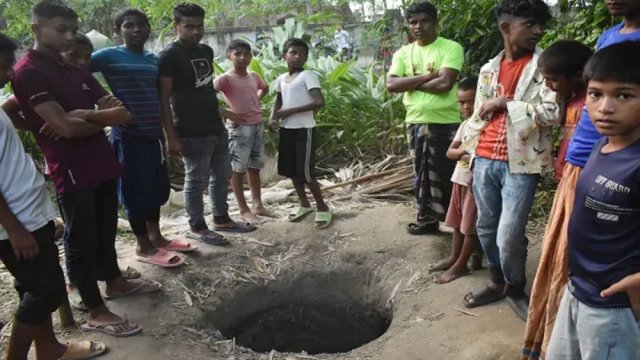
(299,212)
(323,219)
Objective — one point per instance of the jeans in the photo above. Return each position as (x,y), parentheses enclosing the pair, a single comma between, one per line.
(39,281)
(246,145)
(504,201)
(582,332)
(91,222)
(206,162)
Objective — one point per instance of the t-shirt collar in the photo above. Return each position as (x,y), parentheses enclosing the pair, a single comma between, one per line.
(59,60)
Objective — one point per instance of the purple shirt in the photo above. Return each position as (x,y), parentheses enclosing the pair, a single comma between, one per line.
(75,164)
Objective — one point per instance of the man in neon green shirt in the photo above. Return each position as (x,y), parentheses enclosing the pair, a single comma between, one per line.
(426,71)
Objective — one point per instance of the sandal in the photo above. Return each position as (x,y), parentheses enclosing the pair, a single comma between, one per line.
(422,229)
(212,238)
(323,219)
(130,273)
(144,287)
(180,246)
(299,213)
(519,305)
(82,350)
(236,227)
(163,259)
(483,296)
(117,329)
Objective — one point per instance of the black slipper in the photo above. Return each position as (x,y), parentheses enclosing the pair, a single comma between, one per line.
(519,305)
(483,296)
(418,229)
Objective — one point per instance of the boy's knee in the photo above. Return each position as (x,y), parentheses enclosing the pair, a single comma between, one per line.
(36,307)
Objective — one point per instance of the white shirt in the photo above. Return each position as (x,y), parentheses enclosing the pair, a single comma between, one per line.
(462,174)
(341,39)
(21,184)
(296,92)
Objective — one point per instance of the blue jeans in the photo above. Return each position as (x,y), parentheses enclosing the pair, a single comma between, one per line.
(504,201)
(582,332)
(206,162)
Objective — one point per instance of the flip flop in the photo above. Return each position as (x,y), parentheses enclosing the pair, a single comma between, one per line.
(519,305)
(417,229)
(299,213)
(237,227)
(483,296)
(130,273)
(144,287)
(323,219)
(163,259)
(212,238)
(117,328)
(82,350)
(180,246)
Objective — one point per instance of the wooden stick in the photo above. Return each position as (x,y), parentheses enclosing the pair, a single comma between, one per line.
(464,312)
(366,178)
(65,314)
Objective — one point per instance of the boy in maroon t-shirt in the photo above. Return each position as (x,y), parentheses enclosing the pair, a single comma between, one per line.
(59,100)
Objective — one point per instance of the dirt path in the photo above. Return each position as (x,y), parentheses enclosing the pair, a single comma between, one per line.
(365,239)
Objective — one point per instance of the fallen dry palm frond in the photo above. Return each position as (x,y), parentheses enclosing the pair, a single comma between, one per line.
(390,179)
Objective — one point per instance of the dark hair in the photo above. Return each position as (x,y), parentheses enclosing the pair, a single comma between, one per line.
(50,9)
(118,20)
(7,44)
(237,44)
(565,57)
(421,7)
(185,9)
(468,83)
(528,9)
(615,63)
(294,42)
(82,39)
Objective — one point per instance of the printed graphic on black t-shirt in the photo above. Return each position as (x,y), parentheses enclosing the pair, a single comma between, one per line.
(203,72)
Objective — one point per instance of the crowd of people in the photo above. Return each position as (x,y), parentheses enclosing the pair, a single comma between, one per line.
(477,176)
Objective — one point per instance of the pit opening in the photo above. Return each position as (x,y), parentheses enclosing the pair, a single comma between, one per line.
(315,312)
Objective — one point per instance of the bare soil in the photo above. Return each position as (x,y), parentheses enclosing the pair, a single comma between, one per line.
(367,240)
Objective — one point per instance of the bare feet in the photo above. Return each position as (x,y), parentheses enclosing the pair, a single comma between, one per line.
(120,286)
(261,211)
(453,273)
(248,216)
(443,264)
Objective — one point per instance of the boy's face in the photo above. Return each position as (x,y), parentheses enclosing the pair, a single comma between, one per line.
(134,30)
(422,26)
(296,57)
(190,29)
(79,55)
(561,84)
(58,33)
(522,33)
(622,7)
(240,57)
(7,59)
(466,100)
(614,107)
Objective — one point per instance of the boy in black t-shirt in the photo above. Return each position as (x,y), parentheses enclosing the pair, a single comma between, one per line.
(599,316)
(194,128)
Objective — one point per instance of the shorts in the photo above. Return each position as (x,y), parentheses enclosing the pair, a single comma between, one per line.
(462,213)
(297,153)
(144,186)
(246,147)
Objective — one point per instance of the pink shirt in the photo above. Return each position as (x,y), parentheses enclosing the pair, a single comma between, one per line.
(241,94)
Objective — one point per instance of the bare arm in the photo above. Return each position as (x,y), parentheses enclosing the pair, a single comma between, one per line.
(317,103)
(12,109)
(263,92)
(277,105)
(62,123)
(455,152)
(442,82)
(23,243)
(111,113)
(165,85)
(402,84)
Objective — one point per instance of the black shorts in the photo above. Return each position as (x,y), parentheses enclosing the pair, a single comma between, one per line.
(297,153)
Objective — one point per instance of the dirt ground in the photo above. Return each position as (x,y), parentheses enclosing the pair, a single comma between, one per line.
(366,238)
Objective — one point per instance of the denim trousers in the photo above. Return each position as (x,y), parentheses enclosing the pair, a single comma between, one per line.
(206,162)
(504,201)
(582,332)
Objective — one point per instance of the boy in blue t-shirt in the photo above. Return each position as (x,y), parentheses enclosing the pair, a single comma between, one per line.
(131,73)
(599,316)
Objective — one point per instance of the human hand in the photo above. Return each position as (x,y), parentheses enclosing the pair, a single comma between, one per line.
(466,158)
(48,131)
(109,102)
(493,105)
(282,113)
(174,146)
(237,118)
(24,245)
(629,285)
(273,124)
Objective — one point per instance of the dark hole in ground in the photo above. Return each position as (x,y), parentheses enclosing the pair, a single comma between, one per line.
(316,313)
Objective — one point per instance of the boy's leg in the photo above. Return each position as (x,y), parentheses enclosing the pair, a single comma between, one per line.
(454,221)
(197,155)
(306,165)
(239,152)
(456,246)
(161,189)
(219,173)
(459,268)
(564,343)
(40,284)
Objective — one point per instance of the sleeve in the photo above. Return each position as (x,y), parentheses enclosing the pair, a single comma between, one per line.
(97,91)
(459,133)
(261,84)
(167,64)
(98,60)
(543,111)
(277,84)
(311,80)
(31,88)
(220,83)
(397,64)
(453,57)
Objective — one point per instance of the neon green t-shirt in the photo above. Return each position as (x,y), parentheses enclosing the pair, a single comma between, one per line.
(412,60)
